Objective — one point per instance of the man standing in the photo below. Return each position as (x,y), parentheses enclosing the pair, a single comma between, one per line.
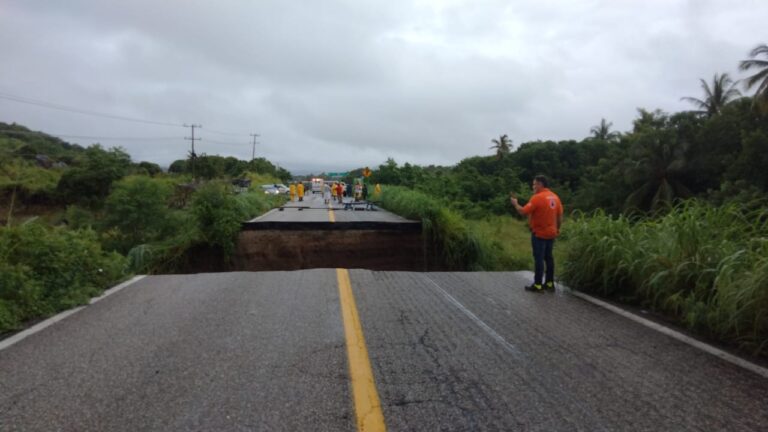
(340,192)
(545,216)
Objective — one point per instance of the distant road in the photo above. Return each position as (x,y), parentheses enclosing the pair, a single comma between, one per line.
(446,351)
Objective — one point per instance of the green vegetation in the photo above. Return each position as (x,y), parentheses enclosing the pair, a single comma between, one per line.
(136,212)
(44,270)
(77,220)
(450,241)
(706,266)
(211,224)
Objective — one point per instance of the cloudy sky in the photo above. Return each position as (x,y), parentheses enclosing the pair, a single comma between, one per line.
(334,85)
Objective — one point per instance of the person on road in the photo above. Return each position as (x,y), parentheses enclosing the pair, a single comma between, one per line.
(327,193)
(340,193)
(365,192)
(300,191)
(292,191)
(545,217)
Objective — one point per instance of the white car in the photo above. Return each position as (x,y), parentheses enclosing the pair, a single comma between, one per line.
(270,189)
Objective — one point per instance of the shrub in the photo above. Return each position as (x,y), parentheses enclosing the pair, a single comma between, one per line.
(137,209)
(218,215)
(44,270)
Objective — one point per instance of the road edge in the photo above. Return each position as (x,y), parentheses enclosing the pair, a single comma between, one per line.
(18,337)
(674,334)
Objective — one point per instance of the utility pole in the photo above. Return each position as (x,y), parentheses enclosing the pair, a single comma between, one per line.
(193,139)
(253,153)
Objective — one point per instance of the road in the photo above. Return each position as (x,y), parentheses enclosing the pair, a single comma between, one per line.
(446,351)
(313,210)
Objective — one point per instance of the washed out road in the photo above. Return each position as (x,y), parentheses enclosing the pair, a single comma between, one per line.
(446,351)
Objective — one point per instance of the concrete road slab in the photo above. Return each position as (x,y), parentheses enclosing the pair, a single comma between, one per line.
(313,210)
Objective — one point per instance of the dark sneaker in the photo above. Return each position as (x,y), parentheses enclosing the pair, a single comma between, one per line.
(549,286)
(534,287)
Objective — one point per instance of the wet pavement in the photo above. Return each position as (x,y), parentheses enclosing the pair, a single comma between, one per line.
(449,351)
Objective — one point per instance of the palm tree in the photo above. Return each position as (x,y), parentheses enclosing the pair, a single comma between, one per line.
(503,146)
(716,97)
(655,168)
(603,131)
(761,77)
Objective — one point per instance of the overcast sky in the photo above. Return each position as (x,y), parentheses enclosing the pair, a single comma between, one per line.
(335,85)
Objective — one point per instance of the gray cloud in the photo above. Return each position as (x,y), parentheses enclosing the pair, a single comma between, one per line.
(342,84)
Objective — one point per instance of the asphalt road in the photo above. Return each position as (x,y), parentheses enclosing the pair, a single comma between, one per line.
(313,209)
(448,351)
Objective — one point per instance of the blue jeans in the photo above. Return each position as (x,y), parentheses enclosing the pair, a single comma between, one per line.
(542,254)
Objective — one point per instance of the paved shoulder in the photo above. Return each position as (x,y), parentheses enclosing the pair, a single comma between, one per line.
(234,351)
(472,351)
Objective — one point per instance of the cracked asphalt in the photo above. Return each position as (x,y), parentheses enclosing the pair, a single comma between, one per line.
(449,352)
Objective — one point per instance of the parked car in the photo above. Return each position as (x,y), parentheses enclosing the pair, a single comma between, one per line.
(270,189)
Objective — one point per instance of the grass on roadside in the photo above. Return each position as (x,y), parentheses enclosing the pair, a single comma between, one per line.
(705,266)
(514,238)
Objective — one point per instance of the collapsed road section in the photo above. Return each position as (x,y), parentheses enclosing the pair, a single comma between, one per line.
(312,234)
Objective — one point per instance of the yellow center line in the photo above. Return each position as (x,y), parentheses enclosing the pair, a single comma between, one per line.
(367,405)
(331,216)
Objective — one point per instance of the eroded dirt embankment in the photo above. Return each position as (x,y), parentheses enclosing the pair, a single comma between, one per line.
(286,249)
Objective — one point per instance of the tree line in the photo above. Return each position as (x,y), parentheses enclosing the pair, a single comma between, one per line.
(717,152)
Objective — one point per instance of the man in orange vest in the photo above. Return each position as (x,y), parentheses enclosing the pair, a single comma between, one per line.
(545,216)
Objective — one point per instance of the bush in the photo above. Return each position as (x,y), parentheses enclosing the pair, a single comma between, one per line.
(44,270)
(451,242)
(212,224)
(218,215)
(137,211)
(704,266)
(77,217)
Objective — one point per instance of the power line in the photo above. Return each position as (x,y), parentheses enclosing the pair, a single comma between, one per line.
(225,133)
(59,107)
(57,135)
(223,142)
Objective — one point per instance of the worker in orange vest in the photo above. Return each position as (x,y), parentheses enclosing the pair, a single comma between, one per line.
(340,193)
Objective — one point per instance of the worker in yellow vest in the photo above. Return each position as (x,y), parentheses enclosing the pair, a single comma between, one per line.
(333,191)
(300,191)
(292,191)
(377,189)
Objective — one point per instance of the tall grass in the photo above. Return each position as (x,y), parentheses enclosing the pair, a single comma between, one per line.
(451,242)
(702,265)
(514,238)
